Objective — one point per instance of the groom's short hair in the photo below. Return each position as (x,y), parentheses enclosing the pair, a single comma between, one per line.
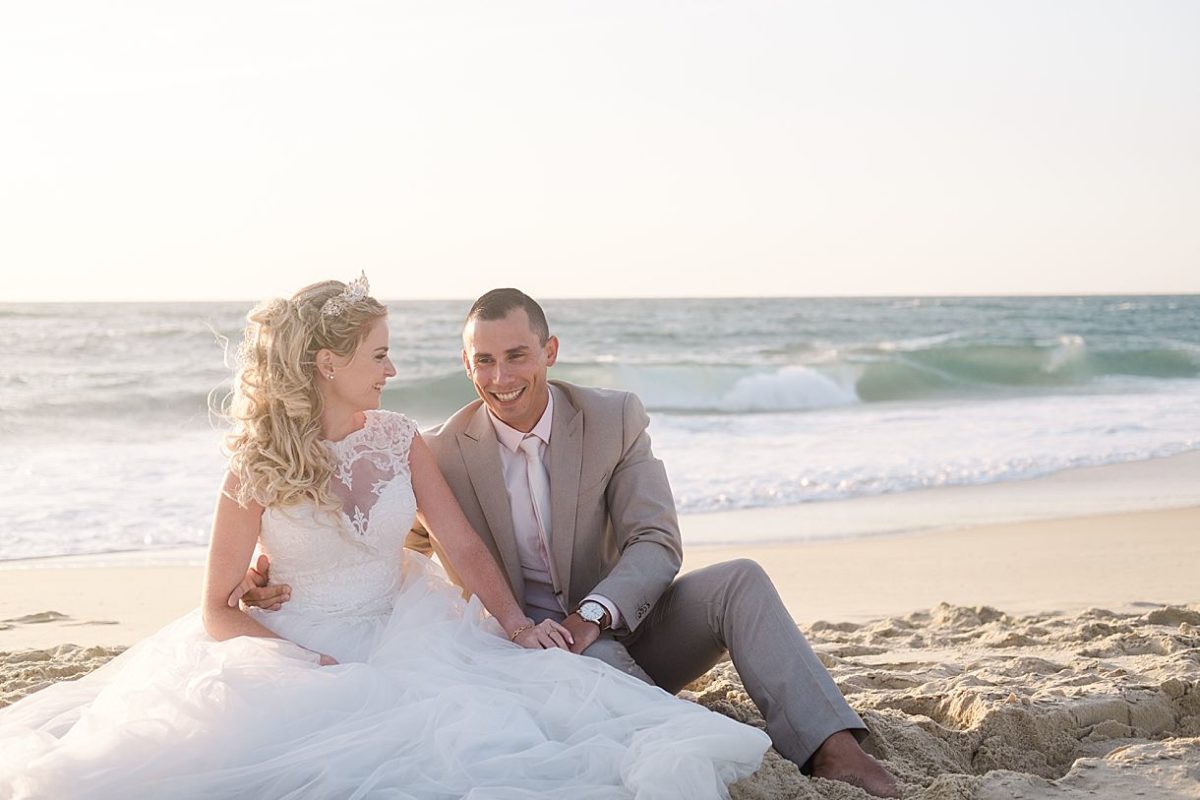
(497,304)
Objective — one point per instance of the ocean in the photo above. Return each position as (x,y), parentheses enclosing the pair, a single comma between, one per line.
(108,445)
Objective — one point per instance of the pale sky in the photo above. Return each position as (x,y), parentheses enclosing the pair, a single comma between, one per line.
(233,150)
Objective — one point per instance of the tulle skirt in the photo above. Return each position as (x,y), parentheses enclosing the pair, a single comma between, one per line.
(430,700)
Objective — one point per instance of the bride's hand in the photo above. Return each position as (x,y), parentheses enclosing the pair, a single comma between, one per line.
(546,635)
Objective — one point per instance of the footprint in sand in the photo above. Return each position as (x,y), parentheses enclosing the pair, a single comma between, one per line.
(51,616)
(35,619)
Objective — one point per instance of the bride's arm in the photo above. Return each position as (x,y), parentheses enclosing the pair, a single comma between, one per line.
(446,523)
(234,534)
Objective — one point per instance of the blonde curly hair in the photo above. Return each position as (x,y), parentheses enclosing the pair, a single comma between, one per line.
(275,450)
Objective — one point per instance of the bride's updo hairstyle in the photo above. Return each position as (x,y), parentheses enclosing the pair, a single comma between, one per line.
(275,448)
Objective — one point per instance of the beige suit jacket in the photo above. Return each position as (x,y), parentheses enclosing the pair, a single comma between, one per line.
(614,530)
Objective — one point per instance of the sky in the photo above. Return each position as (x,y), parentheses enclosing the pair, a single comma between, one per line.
(233,150)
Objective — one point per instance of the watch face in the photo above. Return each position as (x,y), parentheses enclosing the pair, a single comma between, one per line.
(592,612)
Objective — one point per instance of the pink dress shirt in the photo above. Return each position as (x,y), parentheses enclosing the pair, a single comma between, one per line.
(541,584)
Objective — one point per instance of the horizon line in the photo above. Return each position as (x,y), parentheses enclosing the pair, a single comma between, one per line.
(550,298)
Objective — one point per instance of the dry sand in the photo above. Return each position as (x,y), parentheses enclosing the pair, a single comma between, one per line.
(962,703)
(1044,659)
(975,703)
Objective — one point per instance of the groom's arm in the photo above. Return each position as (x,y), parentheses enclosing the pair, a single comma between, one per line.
(642,512)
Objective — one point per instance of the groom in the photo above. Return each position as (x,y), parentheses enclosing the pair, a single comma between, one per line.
(561,484)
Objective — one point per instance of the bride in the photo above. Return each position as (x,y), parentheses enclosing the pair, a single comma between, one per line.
(377,679)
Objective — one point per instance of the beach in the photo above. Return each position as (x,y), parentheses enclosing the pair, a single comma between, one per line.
(1054,656)
(902,298)
(905,297)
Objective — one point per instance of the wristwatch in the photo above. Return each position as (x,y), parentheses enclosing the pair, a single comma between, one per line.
(591,611)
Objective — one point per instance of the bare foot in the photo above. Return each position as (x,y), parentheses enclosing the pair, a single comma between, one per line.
(840,758)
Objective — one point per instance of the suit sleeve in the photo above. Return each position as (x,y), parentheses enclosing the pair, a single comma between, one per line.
(418,539)
(646,527)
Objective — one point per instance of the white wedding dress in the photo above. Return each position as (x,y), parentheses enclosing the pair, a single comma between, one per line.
(429,700)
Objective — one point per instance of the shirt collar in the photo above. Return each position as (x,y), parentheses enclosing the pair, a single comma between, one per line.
(511,438)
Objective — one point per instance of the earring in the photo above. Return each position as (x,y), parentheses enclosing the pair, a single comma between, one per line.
(330,376)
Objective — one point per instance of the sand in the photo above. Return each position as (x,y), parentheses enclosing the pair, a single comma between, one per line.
(1052,658)
(962,703)
(975,703)
(1113,560)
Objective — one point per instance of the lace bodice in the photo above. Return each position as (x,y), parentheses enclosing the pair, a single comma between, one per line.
(349,561)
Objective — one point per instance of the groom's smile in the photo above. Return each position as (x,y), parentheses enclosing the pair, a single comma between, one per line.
(507,397)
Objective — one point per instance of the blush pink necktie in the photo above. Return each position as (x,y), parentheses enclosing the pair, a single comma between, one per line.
(539,489)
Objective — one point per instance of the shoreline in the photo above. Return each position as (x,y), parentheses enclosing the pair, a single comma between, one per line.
(1155,484)
(1114,536)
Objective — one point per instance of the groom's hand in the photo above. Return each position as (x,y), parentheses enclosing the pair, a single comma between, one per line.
(582,631)
(254,590)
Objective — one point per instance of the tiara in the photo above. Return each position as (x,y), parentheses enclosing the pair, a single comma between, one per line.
(355,290)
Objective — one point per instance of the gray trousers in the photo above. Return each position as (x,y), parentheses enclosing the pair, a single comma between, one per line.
(733,607)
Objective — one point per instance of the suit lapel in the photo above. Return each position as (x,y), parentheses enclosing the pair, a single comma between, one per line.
(481,454)
(566,463)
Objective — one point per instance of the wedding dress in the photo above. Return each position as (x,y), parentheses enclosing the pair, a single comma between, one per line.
(429,699)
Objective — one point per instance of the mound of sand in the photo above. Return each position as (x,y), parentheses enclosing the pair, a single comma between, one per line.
(25,671)
(962,703)
(973,704)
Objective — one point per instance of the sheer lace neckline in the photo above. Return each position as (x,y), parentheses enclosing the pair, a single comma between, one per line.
(367,461)
(337,444)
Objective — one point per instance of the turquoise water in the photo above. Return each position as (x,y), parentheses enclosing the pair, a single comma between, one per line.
(754,402)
